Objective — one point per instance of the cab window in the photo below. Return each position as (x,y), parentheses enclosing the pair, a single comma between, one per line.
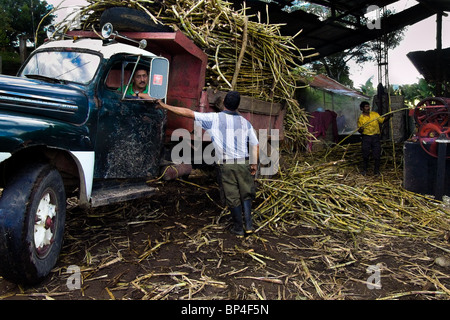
(120,73)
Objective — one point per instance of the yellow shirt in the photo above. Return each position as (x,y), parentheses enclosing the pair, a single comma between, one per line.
(373,127)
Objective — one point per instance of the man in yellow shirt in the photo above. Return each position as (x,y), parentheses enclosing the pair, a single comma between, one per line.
(369,126)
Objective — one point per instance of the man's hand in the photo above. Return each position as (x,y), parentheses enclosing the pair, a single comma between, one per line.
(160,104)
(180,111)
(253,169)
(146,96)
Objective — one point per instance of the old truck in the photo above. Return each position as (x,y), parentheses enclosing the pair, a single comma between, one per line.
(67,129)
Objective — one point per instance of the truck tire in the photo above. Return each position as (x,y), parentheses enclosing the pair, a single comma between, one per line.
(32,217)
(127,19)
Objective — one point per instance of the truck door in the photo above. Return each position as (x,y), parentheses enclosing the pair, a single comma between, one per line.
(130,131)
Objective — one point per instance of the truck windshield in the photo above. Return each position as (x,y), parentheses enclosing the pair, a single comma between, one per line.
(71,66)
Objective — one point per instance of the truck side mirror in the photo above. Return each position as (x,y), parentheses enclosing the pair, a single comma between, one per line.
(107,30)
(51,31)
(159,74)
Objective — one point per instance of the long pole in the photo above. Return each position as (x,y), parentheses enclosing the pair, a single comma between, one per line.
(439,55)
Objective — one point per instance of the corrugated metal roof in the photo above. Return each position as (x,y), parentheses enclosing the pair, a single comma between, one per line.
(323,82)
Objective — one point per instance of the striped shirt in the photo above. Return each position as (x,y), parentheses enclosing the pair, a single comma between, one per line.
(230,134)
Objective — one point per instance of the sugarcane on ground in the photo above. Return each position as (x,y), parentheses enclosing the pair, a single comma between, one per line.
(176,245)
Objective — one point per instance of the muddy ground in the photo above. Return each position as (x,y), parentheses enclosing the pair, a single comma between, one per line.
(176,246)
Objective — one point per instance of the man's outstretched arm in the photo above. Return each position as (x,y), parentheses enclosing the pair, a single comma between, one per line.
(254,152)
(184,112)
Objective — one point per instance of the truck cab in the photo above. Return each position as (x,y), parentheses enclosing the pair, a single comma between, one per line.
(69,128)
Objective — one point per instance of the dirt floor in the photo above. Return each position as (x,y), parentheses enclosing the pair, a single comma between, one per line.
(176,246)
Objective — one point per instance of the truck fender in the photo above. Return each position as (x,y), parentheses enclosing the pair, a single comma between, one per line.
(85,162)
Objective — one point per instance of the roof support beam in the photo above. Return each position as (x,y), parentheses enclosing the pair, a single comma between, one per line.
(332,36)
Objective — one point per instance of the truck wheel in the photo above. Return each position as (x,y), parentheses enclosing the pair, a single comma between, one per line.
(128,19)
(32,217)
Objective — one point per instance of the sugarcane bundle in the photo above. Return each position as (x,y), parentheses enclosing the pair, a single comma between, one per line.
(332,195)
(243,54)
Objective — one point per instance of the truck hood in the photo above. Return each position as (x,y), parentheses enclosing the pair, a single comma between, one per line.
(19,132)
(36,97)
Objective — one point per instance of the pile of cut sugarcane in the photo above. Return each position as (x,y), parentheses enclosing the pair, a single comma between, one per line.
(332,194)
(243,54)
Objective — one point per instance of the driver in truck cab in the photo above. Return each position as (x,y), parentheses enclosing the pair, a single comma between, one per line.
(139,83)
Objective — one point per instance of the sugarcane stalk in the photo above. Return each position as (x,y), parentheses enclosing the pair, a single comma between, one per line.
(241,55)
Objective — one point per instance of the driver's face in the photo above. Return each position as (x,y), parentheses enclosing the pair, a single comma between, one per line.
(140,79)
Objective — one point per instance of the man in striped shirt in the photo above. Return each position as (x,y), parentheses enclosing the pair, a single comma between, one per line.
(231,134)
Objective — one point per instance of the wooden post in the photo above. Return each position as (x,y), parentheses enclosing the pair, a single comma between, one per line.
(440,171)
(439,80)
(22,48)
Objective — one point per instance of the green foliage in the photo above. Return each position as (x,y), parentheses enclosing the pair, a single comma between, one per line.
(368,89)
(10,62)
(413,93)
(335,67)
(21,18)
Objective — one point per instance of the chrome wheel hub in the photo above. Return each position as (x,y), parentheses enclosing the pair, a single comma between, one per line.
(44,225)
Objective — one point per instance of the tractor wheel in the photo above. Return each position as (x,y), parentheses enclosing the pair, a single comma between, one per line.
(432,110)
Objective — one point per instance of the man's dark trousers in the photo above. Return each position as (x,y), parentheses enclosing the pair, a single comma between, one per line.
(371,145)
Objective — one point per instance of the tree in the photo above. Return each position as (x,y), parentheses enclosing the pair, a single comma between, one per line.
(19,20)
(368,88)
(335,66)
(415,92)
